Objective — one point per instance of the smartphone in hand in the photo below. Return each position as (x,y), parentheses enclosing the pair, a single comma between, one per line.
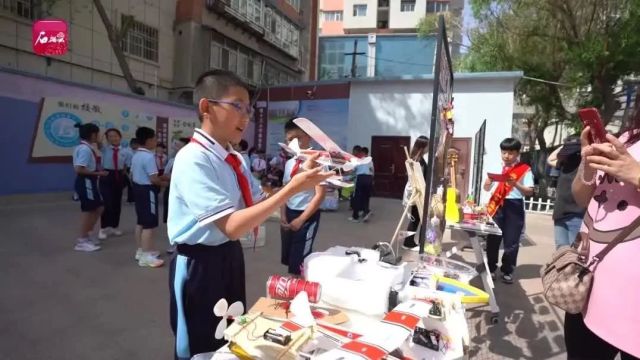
(591,118)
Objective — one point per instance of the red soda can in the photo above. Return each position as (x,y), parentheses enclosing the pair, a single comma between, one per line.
(286,288)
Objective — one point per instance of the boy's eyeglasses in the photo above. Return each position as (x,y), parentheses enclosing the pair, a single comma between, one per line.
(238,106)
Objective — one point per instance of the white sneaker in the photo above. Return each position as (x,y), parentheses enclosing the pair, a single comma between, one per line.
(86,246)
(93,241)
(115,232)
(103,234)
(139,254)
(148,260)
(367,216)
(354,220)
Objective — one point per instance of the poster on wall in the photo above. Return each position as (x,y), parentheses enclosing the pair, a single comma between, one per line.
(331,115)
(56,135)
(178,128)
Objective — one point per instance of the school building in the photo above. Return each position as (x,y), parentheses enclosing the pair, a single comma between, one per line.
(387,114)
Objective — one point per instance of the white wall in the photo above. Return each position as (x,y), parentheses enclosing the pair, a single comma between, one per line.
(364,22)
(403,108)
(90,59)
(406,20)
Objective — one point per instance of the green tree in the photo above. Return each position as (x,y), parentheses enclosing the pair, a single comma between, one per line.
(580,48)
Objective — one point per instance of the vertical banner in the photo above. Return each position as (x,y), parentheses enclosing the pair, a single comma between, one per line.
(261,117)
(440,139)
(162,124)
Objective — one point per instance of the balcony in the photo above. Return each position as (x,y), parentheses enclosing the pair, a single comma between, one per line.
(239,16)
(383,4)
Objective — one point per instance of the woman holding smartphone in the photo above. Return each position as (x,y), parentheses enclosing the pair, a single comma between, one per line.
(608,184)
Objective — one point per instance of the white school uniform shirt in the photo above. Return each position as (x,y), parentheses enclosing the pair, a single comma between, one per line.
(169,167)
(301,200)
(83,155)
(143,165)
(525,180)
(107,157)
(204,188)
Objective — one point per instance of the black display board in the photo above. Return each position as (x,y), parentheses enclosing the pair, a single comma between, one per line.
(442,97)
(478,161)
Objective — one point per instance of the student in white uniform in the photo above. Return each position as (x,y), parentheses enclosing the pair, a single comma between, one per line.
(134,145)
(86,163)
(213,202)
(114,160)
(146,186)
(300,217)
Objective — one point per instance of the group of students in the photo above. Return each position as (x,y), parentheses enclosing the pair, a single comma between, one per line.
(103,171)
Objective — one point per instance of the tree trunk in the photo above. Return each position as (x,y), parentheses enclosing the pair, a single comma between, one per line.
(116,44)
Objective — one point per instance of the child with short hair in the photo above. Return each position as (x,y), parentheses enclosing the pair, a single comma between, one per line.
(114,160)
(507,208)
(364,188)
(300,217)
(213,202)
(146,186)
(86,163)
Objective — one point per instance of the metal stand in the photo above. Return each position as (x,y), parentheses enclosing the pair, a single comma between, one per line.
(475,231)
(485,275)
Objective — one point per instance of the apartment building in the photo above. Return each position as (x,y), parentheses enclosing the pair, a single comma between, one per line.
(148,43)
(246,37)
(339,17)
(381,34)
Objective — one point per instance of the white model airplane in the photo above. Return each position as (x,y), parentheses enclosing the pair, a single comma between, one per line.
(333,157)
(294,149)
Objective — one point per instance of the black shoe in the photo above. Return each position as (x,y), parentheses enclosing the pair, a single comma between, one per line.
(507,278)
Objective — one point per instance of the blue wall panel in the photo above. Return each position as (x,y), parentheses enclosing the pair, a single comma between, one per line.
(17,174)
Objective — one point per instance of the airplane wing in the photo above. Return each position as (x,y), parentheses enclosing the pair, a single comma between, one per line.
(389,335)
(318,135)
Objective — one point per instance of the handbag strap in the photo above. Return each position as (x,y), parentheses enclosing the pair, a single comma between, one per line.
(617,240)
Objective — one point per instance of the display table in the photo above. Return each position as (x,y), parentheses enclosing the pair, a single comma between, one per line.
(476,230)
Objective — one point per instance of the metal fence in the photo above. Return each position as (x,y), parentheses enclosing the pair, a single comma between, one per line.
(539,205)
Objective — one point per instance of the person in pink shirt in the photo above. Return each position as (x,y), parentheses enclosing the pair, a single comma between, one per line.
(608,183)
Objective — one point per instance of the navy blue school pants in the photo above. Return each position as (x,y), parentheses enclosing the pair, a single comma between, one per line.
(510,219)
(362,195)
(111,187)
(199,276)
(296,245)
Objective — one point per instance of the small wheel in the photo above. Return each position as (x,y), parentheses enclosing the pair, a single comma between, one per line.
(494,319)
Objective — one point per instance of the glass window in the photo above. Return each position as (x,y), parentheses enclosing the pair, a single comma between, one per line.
(359,10)
(224,59)
(332,15)
(141,40)
(408,5)
(21,8)
(215,56)
(233,62)
(437,6)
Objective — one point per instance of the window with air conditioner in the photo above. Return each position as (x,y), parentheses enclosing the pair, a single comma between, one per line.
(360,10)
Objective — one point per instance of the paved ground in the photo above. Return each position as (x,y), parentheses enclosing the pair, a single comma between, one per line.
(59,304)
